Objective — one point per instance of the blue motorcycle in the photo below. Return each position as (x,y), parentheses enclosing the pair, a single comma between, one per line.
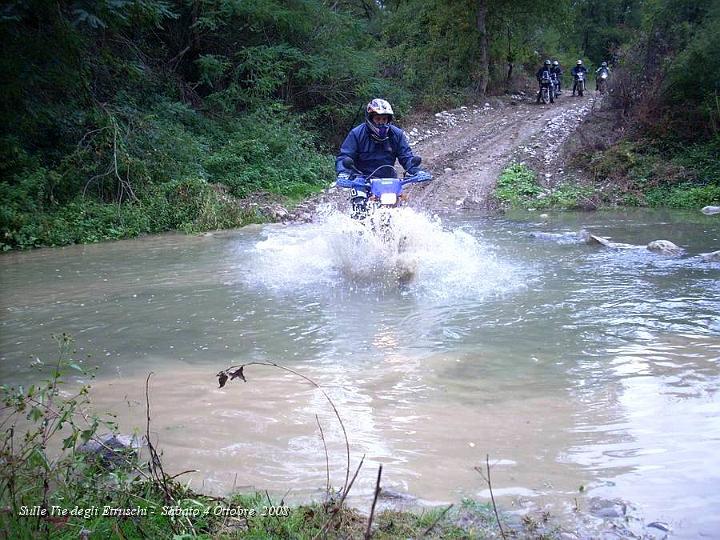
(373,192)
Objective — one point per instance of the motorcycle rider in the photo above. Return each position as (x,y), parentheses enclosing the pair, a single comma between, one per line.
(557,71)
(374,143)
(545,72)
(579,68)
(598,74)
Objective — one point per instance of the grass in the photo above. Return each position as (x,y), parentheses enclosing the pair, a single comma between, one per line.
(518,187)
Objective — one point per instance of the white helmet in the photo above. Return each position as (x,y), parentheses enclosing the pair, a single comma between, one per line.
(579,62)
(378,106)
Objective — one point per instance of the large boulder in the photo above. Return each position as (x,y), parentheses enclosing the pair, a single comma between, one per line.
(710,210)
(665,247)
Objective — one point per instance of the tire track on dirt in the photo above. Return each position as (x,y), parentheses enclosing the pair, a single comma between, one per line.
(468,157)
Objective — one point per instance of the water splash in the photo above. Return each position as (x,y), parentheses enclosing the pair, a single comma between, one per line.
(401,249)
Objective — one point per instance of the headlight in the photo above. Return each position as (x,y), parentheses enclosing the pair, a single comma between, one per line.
(388,198)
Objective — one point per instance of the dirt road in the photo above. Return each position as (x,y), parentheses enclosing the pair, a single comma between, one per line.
(466,149)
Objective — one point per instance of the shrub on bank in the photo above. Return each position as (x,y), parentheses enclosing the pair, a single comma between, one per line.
(518,187)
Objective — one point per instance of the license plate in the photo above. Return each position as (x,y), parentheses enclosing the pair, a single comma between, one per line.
(388,198)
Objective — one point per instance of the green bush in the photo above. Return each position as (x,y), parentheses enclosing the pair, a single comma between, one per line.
(684,196)
(268,151)
(517,187)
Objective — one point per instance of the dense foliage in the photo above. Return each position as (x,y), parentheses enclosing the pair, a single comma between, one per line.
(123,117)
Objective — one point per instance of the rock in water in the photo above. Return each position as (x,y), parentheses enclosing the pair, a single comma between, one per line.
(664,527)
(665,246)
(710,210)
(594,240)
(714,256)
(110,449)
(580,237)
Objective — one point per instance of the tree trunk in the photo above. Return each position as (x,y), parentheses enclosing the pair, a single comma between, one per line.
(484,67)
(510,57)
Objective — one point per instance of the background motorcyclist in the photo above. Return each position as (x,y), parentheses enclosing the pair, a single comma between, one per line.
(544,73)
(557,71)
(579,68)
(598,74)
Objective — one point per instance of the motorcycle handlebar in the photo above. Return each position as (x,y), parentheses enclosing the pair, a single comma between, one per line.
(363,182)
(352,182)
(422,176)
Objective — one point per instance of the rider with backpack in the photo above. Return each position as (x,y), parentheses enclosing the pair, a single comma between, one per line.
(544,78)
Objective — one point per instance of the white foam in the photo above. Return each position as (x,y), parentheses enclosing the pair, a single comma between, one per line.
(415,252)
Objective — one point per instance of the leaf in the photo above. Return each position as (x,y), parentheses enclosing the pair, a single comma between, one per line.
(238,373)
(75,366)
(35,414)
(70,441)
(87,434)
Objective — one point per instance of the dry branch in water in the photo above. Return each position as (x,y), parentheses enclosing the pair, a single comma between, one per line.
(238,372)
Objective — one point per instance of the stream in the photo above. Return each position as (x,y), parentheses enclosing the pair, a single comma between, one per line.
(586,374)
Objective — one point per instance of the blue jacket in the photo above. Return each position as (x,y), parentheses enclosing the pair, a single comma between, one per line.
(368,154)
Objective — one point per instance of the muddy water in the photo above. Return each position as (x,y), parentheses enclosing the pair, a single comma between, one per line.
(569,365)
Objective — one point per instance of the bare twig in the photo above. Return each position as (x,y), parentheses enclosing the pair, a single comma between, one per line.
(91,132)
(339,506)
(237,372)
(368,531)
(174,476)
(492,497)
(155,465)
(270,503)
(434,523)
(327,458)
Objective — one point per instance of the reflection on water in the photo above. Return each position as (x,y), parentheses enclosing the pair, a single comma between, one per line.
(570,365)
